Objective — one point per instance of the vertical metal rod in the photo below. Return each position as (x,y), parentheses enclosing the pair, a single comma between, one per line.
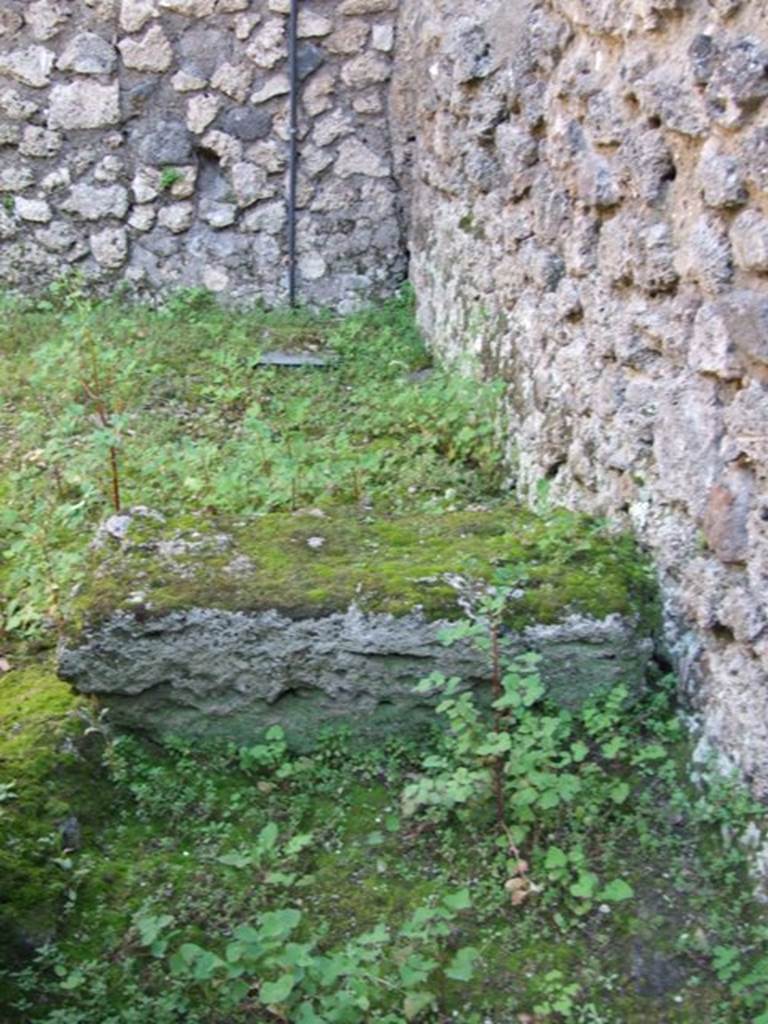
(293,160)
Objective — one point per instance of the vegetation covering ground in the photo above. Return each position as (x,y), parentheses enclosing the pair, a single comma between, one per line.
(538,865)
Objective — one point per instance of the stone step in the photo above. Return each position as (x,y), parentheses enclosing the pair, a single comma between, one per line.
(209,627)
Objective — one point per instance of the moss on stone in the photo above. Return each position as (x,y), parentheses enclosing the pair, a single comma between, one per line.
(308,565)
(50,782)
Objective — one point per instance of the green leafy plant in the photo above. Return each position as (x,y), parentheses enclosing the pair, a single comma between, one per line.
(269,964)
(168,178)
(526,754)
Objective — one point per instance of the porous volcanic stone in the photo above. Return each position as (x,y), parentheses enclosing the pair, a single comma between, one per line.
(214,629)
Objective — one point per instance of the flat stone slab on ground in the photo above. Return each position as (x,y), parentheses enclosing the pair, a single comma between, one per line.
(214,628)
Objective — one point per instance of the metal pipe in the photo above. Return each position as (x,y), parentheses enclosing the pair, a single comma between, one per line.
(293,158)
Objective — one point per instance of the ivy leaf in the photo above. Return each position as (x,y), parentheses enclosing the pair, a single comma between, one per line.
(619,792)
(579,751)
(461,967)
(460,900)
(584,887)
(307,1015)
(267,837)
(616,891)
(235,859)
(298,843)
(273,993)
(276,924)
(415,1002)
(556,858)
(150,927)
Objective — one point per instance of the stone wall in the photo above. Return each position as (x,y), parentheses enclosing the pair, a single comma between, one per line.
(588,186)
(146,141)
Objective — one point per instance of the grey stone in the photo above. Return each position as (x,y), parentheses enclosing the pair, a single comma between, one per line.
(268,46)
(721,177)
(656,271)
(366,69)
(203,49)
(471,52)
(59,236)
(14,107)
(146,184)
(749,235)
(10,134)
(246,125)
(650,164)
(249,184)
(8,225)
(729,333)
(383,38)
(370,102)
(142,218)
(134,14)
(10,22)
(518,152)
(139,98)
(109,169)
(188,81)
(740,82)
(110,247)
(269,155)
(93,203)
(189,8)
(58,179)
(88,54)
(201,112)
(703,55)
(163,143)
(598,183)
(312,25)
(235,674)
(266,218)
(673,104)
(32,66)
(218,215)
(152,52)
(226,148)
(740,612)
(36,210)
(15,177)
(331,127)
(707,256)
(746,419)
(352,7)
(312,266)
(276,85)
(309,59)
(46,18)
(234,80)
(40,142)
(177,218)
(84,104)
(725,517)
(755,155)
(245,24)
(349,38)
(356,158)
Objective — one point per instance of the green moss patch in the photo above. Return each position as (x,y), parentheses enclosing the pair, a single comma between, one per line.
(304,564)
(45,781)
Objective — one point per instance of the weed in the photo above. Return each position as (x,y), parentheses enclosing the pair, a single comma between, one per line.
(168,178)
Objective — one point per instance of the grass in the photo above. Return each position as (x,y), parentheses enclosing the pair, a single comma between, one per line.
(157,821)
(197,426)
(115,853)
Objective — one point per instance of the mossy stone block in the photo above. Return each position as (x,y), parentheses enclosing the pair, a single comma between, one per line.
(209,627)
